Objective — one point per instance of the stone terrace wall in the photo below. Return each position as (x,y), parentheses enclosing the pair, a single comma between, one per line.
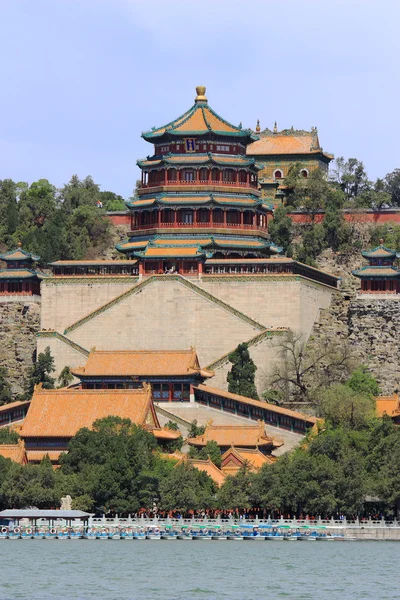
(374,329)
(19,324)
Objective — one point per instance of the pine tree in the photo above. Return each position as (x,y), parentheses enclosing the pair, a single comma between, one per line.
(40,372)
(5,387)
(242,374)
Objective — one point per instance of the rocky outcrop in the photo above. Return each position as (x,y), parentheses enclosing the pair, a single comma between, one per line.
(19,324)
(374,330)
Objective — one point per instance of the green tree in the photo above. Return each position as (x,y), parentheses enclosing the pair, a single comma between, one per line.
(341,405)
(65,377)
(5,387)
(362,382)
(241,377)
(8,208)
(281,228)
(350,176)
(236,491)
(392,186)
(112,201)
(210,451)
(312,244)
(195,430)
(40,372)
(8,436)
(186,488)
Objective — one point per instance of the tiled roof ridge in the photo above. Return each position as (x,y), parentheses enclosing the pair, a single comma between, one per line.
(88,392)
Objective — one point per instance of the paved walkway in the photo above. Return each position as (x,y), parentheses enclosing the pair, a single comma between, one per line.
(202,414)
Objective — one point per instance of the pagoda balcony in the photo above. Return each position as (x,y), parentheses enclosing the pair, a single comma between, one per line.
(182,224)
(199,186)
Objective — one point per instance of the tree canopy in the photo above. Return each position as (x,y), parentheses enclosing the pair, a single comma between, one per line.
(241,377)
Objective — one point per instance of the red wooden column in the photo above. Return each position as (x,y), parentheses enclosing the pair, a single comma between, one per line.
(159,218)
(209,175)
(197,175)
(247,179)
(224,211)
(200,269)
(165,177)
(195,216)
(241,218)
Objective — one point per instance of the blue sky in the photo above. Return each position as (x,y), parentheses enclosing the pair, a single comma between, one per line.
(81,79)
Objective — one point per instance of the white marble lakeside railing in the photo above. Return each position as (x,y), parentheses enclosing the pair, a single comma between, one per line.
(226,523)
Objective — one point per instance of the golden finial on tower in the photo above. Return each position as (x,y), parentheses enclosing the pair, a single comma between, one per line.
(201,91)
(19,245)
(275,127)
(258,129)
(381,241)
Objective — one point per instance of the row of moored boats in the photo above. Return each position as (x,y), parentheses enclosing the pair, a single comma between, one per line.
(235,533)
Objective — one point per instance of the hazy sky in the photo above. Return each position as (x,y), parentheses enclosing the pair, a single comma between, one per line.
(81,79)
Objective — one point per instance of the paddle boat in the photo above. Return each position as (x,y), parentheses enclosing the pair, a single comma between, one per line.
(50,533)
(38,533)
(103,534)
(90,534)
(185,534)
(168,533)
(76,534)
(4,533)
(274,534)
(234,534)
(200,532)
(14,533)
(252,533)
(139,534)
(218,534)
(63,534)
(153,533)
(126,534)
(26,533)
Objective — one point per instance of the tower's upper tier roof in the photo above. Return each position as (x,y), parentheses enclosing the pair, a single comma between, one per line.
(200,119)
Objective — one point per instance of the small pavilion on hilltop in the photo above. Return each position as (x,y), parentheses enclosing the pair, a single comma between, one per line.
(55,416)
(380,276)
(243,436)
(390,406)
(19,279)
(171,373)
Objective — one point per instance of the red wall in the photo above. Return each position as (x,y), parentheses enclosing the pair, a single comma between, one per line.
(379,217)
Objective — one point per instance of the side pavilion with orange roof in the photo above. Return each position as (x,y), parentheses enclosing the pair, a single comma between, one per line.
(390,406)
(236,458)
(243,436)
(15,452)
(171,373)
(55,416)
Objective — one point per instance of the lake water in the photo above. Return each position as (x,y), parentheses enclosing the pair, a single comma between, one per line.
(200,570)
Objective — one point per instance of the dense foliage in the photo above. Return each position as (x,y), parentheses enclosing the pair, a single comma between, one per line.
(66,223)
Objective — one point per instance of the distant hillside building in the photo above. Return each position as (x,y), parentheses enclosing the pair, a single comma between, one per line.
(20,280)
(380,276)
(275,151)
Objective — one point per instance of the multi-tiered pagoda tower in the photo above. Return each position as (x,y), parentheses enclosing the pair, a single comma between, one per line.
(198,197)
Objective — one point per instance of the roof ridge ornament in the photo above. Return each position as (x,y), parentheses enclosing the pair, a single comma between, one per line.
(200,91)
(275,127)
(258,128)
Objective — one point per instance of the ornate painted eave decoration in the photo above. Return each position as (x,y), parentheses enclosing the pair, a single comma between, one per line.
(182,160)
(199,120)
(234,200)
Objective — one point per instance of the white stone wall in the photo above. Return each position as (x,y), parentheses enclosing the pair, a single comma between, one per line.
(166,315)
(65,303)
